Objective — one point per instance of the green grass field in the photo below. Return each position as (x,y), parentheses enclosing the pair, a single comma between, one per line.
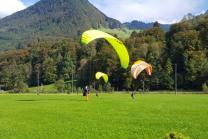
(111,116)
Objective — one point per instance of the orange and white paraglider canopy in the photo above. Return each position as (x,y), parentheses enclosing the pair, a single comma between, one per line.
(139,66)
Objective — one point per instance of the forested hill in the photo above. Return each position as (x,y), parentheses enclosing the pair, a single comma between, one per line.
(51,18)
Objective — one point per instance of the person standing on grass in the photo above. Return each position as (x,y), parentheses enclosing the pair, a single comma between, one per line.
(86,92)
(132,95)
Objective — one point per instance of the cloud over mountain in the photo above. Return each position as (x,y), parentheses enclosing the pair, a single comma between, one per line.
(8,7)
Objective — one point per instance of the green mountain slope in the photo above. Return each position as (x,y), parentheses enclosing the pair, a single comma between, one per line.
(122,33)
(51,18)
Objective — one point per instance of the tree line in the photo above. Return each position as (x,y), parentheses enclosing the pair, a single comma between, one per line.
(45,62)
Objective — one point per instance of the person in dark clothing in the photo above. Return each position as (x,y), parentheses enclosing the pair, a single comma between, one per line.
(86,92)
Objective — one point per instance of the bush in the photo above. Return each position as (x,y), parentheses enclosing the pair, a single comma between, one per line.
(26,90)
(68,88)
(79,90)
(108,87)
(20,87)
(175,135)
(41,88)
(100,88)
(205,88)
(60,85)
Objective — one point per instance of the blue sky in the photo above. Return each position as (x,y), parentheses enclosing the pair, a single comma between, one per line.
(164,11)
(29,2)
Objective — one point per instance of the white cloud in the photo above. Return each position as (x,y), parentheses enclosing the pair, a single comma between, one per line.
(165,11)
(8,7)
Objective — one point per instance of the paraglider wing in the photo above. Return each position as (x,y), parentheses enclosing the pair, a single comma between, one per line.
(98,75)
(139,66)
(118,46)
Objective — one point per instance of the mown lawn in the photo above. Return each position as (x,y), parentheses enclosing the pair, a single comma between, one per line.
(111,116)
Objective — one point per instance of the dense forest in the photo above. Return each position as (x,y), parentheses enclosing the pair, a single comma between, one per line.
(45,62)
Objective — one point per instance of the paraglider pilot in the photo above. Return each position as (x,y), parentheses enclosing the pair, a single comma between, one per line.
(132,95)
(86,92)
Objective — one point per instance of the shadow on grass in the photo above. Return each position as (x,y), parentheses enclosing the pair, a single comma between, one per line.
(28,100)
(33,100)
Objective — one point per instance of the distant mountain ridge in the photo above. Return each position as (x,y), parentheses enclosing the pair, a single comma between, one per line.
(189,16)
(142,25)
(51,18)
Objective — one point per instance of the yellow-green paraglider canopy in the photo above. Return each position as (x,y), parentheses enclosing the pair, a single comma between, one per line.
(98,75)
(119,47)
